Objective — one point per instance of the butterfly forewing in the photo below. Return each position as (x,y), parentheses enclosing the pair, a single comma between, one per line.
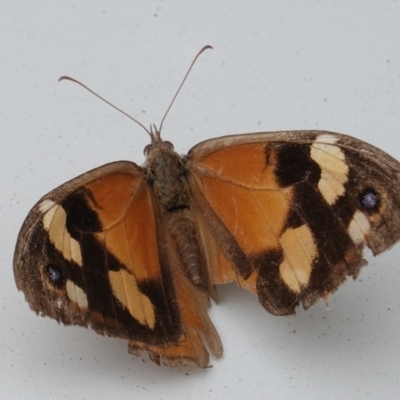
(95,252)
(292,211)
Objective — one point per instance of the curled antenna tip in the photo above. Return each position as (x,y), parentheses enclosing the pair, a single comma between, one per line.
(65,77)
(183,81)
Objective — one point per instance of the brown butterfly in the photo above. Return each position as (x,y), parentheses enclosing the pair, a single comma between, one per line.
(135,252)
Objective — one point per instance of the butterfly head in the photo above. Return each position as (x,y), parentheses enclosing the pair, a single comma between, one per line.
(157,144)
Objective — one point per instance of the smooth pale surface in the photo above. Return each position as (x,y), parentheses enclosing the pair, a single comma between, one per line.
(276,65)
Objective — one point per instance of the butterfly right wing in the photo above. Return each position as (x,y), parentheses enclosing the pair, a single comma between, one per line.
(95,252)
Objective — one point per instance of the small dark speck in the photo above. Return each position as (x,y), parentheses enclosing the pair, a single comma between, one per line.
(186,374)
(155,15)
(325,99)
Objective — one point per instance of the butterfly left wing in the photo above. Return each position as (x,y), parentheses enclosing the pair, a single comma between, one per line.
(287,214)
(96,252)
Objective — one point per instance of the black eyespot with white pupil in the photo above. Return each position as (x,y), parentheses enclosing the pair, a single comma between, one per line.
(370,200)
(55,275)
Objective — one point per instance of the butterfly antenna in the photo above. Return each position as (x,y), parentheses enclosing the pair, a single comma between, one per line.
(68,78)
(183,81)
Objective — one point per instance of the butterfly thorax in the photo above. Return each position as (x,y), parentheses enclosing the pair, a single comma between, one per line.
(166,174)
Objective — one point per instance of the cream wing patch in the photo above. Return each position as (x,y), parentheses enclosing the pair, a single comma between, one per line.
(76,294)
(334,170)
(299,252)
(359,227)
(126,290)
(54,222)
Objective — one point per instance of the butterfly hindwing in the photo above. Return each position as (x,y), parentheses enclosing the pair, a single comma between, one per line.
(292,211)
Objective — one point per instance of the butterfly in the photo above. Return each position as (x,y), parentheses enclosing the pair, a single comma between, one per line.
(136,252)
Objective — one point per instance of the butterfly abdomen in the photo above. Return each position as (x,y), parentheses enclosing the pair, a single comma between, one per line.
(183,231)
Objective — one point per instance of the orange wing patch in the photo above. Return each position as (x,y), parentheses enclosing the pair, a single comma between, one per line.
(242,190)
(126,212)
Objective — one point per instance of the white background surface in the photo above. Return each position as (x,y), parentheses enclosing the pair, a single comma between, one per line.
(276,65)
